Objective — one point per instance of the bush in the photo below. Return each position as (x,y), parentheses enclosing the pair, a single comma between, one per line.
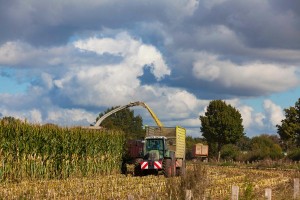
(229,152)
(294,155)
(262,147)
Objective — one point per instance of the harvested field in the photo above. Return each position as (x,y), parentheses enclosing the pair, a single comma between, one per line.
(213,182)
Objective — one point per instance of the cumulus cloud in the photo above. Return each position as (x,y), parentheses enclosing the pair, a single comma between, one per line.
(246,112)
(256,122)
(116,83)
(274,112)
(70,116)
(77,64)
(35,116)
(257,76)
(101,85)
(135,53)
(259,120)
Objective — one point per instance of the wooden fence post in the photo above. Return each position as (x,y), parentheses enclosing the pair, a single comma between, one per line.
(235,192)
(188,194)
(296,188)
(268,194)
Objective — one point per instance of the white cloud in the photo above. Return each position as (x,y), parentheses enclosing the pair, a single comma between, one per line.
(274,112)
(79,77)
(20,54)
(112,84)
(47,80)
(266,77)
(171,103)
(13,52)
(32,115)
(259,119)
(205,71)
(99,85)
(70,116)
(134,52)
(106,70)
(35,116)
(258,122)
(246,112)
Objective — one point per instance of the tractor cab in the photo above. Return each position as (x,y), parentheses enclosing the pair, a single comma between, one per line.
(155,148)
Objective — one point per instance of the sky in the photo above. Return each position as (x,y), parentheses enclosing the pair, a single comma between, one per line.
(64,62)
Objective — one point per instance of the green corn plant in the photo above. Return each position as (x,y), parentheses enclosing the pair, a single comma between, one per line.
(31,151)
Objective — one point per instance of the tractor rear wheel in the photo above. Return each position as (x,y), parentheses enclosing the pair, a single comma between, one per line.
(167,167)
(137,168)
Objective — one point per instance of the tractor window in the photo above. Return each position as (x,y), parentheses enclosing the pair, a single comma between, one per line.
(154,144)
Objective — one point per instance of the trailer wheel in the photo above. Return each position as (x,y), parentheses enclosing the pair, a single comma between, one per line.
(167,167)
(124,168)
(183,169)
(173,167)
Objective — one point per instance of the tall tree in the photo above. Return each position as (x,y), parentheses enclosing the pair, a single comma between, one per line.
(221,124)
(126,121)
(289,130)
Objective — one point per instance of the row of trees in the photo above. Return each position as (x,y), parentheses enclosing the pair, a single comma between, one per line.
(222,130)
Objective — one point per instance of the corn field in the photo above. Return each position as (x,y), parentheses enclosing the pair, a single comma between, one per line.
(29,152)
(50,162)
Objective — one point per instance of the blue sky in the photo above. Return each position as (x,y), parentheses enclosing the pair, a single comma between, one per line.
(64,62)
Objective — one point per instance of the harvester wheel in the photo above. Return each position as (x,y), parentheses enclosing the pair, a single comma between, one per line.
(167,167)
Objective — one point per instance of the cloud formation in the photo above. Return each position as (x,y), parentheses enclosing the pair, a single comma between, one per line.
(252,77)
(77,59)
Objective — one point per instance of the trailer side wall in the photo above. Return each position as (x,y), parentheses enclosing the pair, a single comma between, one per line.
(180,142)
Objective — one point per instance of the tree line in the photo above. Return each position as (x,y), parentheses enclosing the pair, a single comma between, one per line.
(222,130)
